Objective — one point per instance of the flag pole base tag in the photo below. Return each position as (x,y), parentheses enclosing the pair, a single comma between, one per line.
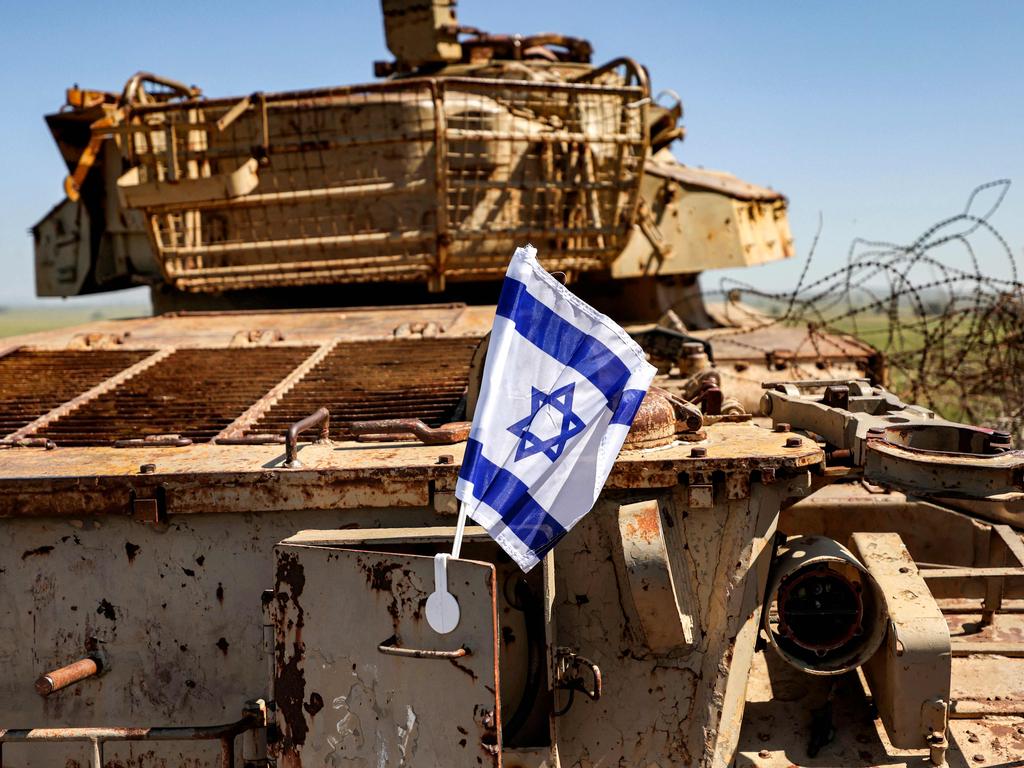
(442,607)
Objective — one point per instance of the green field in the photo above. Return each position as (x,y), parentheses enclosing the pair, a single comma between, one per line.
(18,320)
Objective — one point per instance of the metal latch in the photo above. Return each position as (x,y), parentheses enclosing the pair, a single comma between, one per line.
(576,673)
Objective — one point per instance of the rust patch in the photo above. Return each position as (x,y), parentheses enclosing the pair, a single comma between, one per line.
(131,550)
(44,550)
(106,610)
(315,704)
(463,668)
(290,678)
(381,575)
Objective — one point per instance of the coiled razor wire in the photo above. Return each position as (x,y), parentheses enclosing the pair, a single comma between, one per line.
(946,310)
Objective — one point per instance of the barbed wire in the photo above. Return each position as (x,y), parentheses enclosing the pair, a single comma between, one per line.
(947,311)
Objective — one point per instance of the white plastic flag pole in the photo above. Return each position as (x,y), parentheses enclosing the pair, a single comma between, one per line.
(460,530)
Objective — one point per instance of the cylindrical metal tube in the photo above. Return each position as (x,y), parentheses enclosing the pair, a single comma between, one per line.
(68,675)
(824,612)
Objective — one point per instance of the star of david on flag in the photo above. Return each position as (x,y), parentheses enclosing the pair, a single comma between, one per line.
(561,386)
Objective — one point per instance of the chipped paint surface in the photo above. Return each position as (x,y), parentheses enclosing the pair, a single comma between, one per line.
(383,710)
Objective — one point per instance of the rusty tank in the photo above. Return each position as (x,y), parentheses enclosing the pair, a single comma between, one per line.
(220,521)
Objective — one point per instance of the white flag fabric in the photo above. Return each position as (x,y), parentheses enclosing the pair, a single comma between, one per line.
(561,386)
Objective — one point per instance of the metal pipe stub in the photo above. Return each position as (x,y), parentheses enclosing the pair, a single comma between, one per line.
(68,675)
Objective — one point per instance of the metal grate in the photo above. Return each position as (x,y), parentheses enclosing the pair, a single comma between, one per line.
(34,382)
(418,179)
(420,379)
(193,393)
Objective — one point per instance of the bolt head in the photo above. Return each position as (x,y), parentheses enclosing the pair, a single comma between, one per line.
(793,442)
(147,469)
(445,458)
(782,427)
(698,452)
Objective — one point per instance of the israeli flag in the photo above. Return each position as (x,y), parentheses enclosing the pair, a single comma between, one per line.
(561,386)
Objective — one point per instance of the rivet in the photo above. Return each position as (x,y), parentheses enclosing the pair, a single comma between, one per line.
(764,753)
(147,469)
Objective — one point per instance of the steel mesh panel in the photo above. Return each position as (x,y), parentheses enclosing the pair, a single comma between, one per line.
(419,379)
(410,180)
(194,393)
(34,382)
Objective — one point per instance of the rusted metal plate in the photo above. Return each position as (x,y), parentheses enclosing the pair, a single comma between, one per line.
(209,478)
(360,677)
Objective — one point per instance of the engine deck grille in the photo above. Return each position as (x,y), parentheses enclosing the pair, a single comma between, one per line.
(34,382)
(193,393)
(420,379)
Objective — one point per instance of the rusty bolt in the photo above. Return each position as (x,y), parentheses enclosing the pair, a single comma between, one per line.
(764,753)
(979,758)
(445,458)
(876,432)
(698,452)
(793,442)
(782,427)
(147,469)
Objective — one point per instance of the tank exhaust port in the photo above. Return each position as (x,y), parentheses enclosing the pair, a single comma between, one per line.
(824,613)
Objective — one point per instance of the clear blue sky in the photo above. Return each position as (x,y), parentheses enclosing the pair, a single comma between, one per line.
(880,116)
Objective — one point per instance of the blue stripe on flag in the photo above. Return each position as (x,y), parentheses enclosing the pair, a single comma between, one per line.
(561,339)
(625,406)
(507,495)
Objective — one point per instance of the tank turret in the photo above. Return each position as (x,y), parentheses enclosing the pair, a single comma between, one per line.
(414,187)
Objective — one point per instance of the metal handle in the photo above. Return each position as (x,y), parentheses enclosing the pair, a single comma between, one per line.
(322,417)
(385,429)
(154,441)
(420,653)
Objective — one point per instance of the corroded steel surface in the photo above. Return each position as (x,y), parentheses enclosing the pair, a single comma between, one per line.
(222,478)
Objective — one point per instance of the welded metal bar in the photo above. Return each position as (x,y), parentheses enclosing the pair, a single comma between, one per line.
(113,733)
(410,85)
(1012,541)
(321,417)
(227,751)
(969,710)
(973,647)
(383,429)
(100,389)
(973,573)
(411,236)
(296,196)
(422,653)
